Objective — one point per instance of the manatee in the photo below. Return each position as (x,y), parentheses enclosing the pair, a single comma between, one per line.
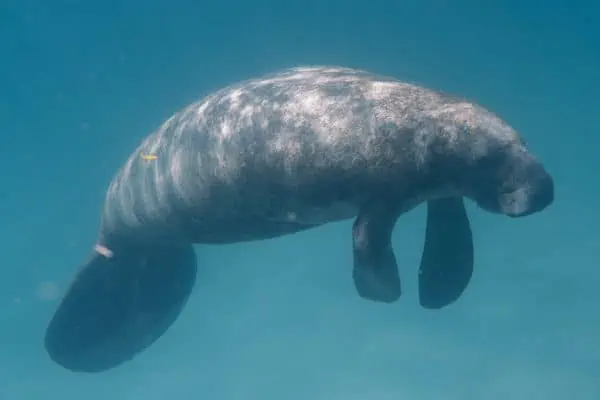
(277,155)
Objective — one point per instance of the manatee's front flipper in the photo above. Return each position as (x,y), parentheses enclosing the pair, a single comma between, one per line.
(447,260)
(119,304)
(375,270)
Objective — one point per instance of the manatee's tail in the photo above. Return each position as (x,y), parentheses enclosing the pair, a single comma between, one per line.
(119,304)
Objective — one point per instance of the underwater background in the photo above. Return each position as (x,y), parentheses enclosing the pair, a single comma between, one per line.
(81,83)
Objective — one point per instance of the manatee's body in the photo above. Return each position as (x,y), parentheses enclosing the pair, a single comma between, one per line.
(278,155)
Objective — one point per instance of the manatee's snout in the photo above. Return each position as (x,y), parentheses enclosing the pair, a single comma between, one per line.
(535,192)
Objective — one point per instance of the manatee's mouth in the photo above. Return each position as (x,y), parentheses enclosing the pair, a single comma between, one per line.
(527,200)
(515,204)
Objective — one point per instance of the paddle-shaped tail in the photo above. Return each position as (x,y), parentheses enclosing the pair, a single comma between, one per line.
(119,304)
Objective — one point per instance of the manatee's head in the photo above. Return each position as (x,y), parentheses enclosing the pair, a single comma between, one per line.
(498,171)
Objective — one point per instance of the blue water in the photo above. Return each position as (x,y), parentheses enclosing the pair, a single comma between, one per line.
(81,85)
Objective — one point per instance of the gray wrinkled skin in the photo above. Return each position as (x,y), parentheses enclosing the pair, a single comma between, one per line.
(308,146)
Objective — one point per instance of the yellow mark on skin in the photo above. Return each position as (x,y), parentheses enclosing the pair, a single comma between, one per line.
(149,157)
(106,252)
